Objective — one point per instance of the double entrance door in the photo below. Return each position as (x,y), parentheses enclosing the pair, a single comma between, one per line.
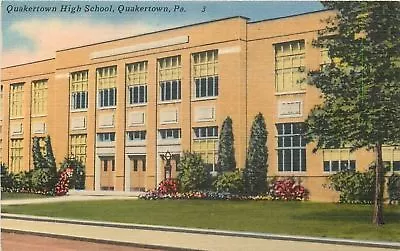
(107,173)
(138,172)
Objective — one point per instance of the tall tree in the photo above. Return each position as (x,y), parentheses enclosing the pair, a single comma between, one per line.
(226,150)
(360,86)
(39,162)
(50,160)
(255,172)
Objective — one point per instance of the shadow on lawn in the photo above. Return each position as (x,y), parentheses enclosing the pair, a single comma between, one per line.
(349,215)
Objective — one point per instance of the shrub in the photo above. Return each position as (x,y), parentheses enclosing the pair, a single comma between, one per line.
(7,179)
(62,186)
(394,188)
(354,186)
(77,180)
(287,189)
(42,181)
(226,151)
(230,182)
(23,182)
(168,186)
(255,172)
(193,175)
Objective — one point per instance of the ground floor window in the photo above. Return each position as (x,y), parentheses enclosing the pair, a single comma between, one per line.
(16,155)
(78,146)
(208,150)
(174,133)
(391,158)
(291,147)
(335,160)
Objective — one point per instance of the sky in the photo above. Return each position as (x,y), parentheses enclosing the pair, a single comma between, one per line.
(30,34)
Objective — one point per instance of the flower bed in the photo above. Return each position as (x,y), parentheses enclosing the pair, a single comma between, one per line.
(155,195)
(281,189)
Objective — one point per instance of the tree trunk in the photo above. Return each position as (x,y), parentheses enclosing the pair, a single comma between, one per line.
(379,184)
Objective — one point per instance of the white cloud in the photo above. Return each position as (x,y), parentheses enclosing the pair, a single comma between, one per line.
(50,35)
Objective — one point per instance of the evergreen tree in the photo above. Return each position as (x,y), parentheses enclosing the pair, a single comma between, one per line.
(226,150)
(39,162)
(360,86)
(51,163)
(50,160)
(255,172)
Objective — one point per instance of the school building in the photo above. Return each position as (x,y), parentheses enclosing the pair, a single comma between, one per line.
(120,105)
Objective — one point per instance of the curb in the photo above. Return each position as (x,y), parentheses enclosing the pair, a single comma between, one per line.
(336,241)
(101,241)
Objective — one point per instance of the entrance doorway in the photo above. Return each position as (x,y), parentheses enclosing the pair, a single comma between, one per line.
(107,170)
(138,172)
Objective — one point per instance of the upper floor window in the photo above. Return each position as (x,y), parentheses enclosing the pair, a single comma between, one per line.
(338,160)
(206,132)
(291,147)
(170,133)
(107,86)
(106,137)
(136,80)
(169,77)
(170,90)
(39,97)
(290,66)
(79,90)
(16,100)
(136,135)
(205,73)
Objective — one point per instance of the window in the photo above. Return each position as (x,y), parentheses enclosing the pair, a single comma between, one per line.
(16,155)
(170,90)
(289,66)
(107,86)
(206,132)
(170,133)
(338,160)
(16,100)
(39,97)
(78,146)
(106,137)
(144,165)
(391,157)
(291,148)
(325,59)
(136,135)
(79,90)
(135,165)
(169,77)
(136,80)
(138,94)
(205,73)
(207,147)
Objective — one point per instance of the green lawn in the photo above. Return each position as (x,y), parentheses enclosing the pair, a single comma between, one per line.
(294,218)
(18,196)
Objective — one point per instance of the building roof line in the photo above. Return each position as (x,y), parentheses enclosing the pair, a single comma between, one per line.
(31,62)
(154,32)
(294,15)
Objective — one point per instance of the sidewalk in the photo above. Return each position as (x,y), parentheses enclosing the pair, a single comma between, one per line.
(178,238)
(76,195)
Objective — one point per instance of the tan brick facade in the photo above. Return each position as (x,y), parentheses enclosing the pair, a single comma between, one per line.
(126,127)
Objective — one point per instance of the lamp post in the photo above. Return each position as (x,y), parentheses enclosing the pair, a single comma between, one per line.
(167,169)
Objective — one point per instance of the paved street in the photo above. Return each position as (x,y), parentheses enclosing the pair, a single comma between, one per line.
(165,238)
(27,242)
